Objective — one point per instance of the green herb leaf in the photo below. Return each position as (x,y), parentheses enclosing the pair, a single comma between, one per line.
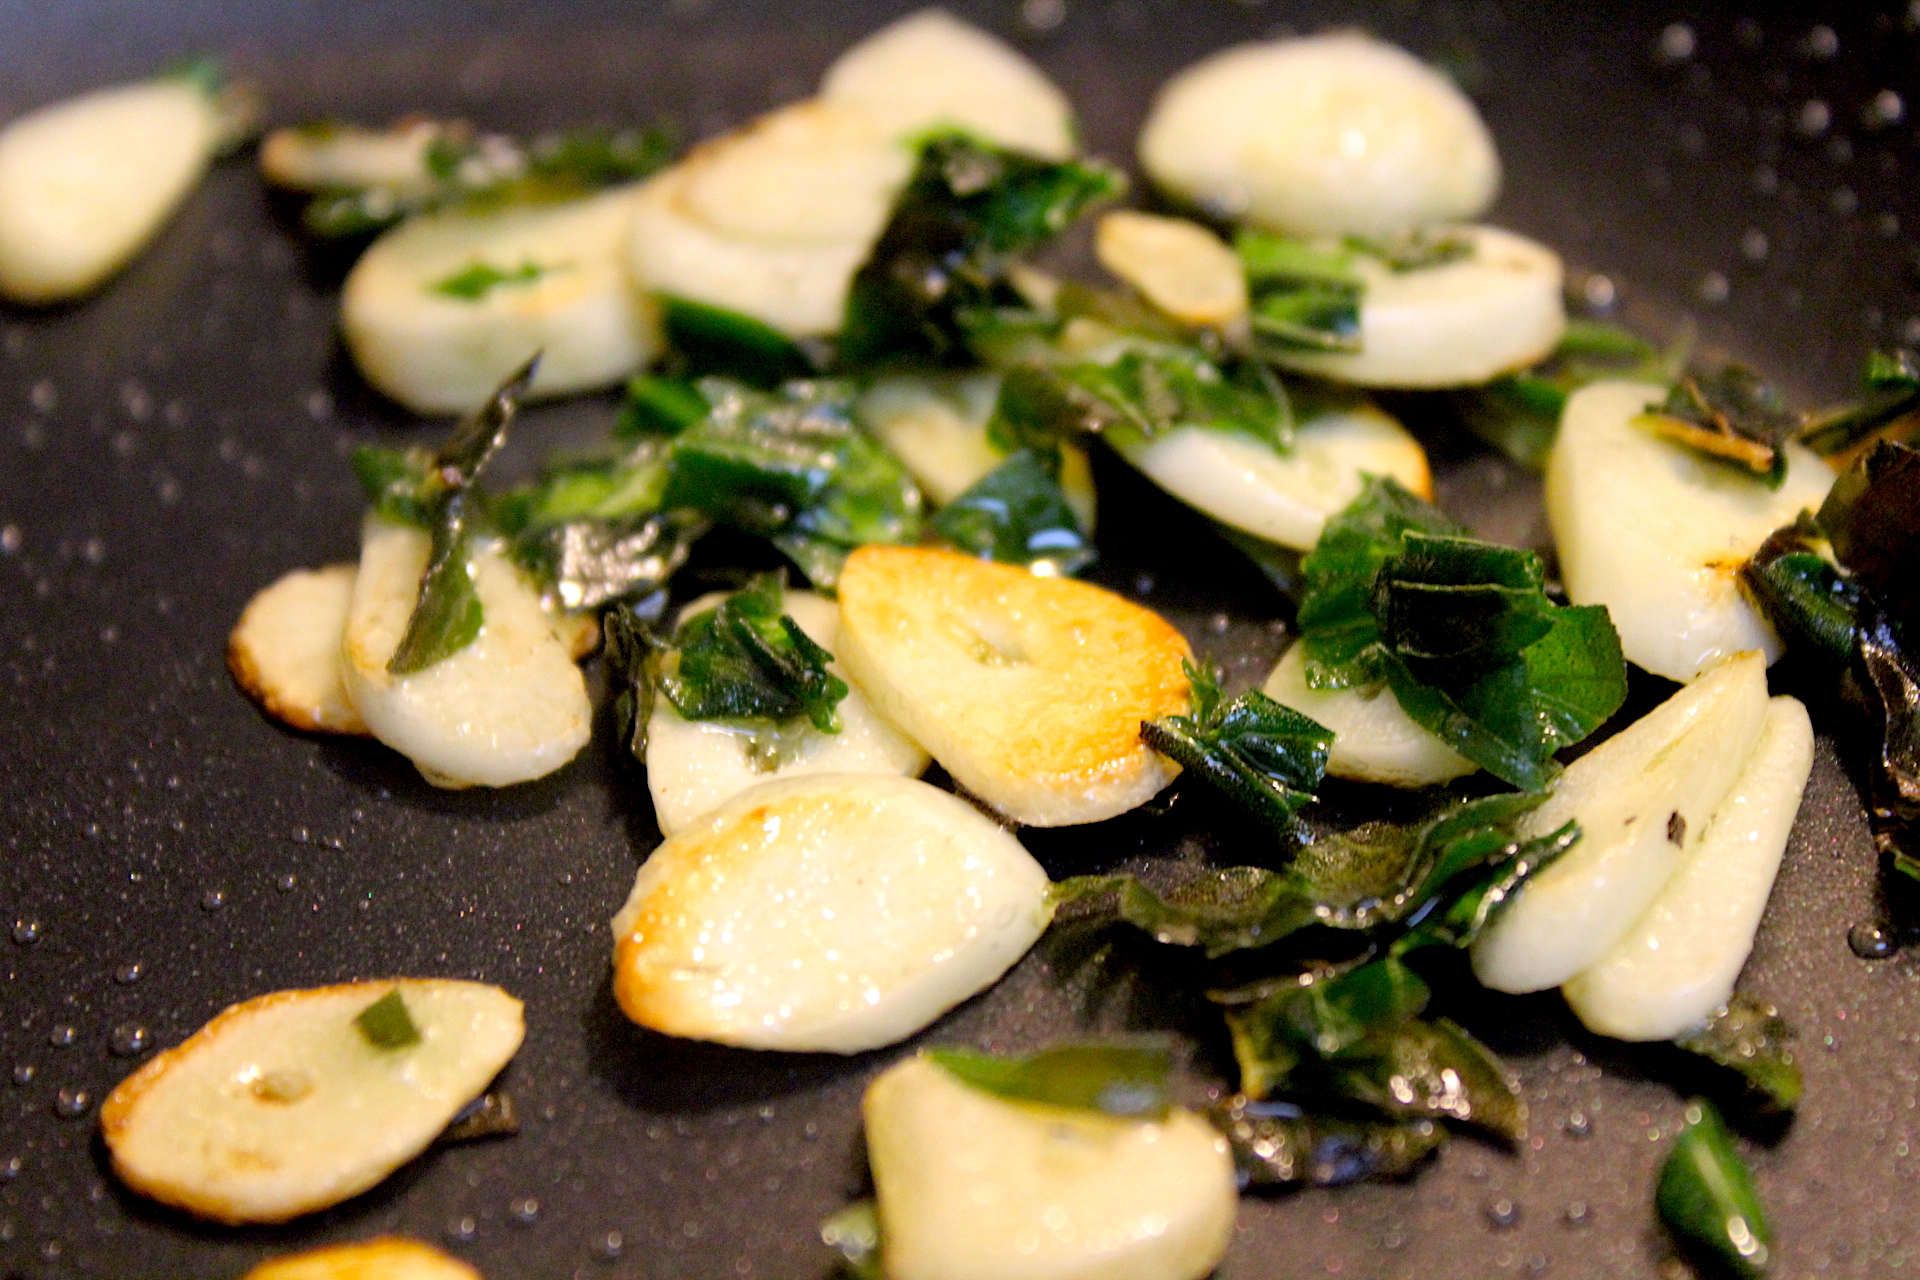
(1707,1197)
(386,1024)
(1279,1144)
(745,661)
(657,405)
(1892,680)
(1803,594)
(474,282)
(1890,405)
(1017,514)
(966,213)
(1323,1017)
(398,483)
(1435,1069)
(1124,1080)
(714,341)
(1520,413)
(1731,415)
(1149,392)
(628,646)
(1302,297)
(1416,251)
(1266,757)
(1751,1038)
(854,1234)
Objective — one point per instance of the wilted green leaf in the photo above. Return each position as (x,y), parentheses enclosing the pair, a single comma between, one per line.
(1707,1197)
(1751,1038)
(1128,1080)
(1266,757)
(1017,514)
(744,661)
(1279,1144)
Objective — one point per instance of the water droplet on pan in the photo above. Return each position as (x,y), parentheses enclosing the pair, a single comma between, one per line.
(462,1230)
(213,900)
(26,932)
(62,1036)
(1502,1213)
(130,1040)
(524,1210)
(1870,942)
(128,974)
(71,1103)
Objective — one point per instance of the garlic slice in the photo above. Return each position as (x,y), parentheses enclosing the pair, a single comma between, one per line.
(1179,266)
(1374,740)
(285,651)
(382,1258)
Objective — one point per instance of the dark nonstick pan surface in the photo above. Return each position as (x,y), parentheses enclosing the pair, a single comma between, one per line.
(173,444)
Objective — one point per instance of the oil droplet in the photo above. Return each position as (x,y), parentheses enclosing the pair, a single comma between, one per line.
(128,974)
(71,1103)
(62,1036)
(10,539)
(23,1074)
(1754,245)
(462,1230)
(1822,42)
(1578,1124)
(26,932)
(287,883)
(10,1168)
(130,1039)
(213,900)
(524,1210)
(1677,42)
(1714,287)
(1502,1213)
(1870,942)
(1886,108)
(1577,1214)
(1043,15)
(611,1244)
(1813,118)
(1536,1265)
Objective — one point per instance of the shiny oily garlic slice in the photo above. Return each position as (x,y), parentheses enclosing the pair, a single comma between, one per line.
(283,1105)
(976,1187)
(1179,266)
(1644,799)
(936,424)
(1374,739)
(382,1258)
(1679,961)
(1658,533)
(1328,135)
(1455,324)
(693,766)
(507,708)
(441,308)
(835,912)
(1029,690)
(930,69)
(85,183)
(285,651)
(1282,497)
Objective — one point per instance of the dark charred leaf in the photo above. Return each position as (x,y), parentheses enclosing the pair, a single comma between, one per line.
(1891,675)
(968,211)
(628,632)
(1435,1070)
(746,662)
(588,563)
(1266,757)
(1232,909)
(1872,517)
(1471,900)
(1017,514)
(386,1023)
(1707,1198)
(1301,297)
(1751,1038)
(713,341)
(854,1234)
(1128,1080)
(491,1115)
(1279,1144)
(1803,594)
(1889,405)
(1731,415)
(1520,413)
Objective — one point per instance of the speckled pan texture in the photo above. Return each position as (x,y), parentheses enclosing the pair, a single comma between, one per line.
(180,440)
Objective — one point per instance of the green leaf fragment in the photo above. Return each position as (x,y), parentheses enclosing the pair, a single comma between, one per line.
(745,661)
(1280,1144)
(1152,391)
(657,405)
(1301,296)
(1322,1016)
(1017,514)
(1435,1069)
(1890,405)
(1751,1038)
(1128,1081)
(448,614)
(1707,1197)
(476,281)
(854,1234)
(1266,757)
(714,341)
(1520,414)
(386,1023)
(1731,415)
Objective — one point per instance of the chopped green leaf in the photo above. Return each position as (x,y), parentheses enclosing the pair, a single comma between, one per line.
(1302,297)
(657,405)
(397,483)
(1893,685)
(628,636)
(1325,1016)
(745,661)
(1416,251)
(715,341)
(1751,1038)
(474,282)
(1731,415)
(1017,514)
(1279,1144)
(1150,392)
(1890,406)
(854,1234)
(968,211)
(1707,1197)
(1520,414)
(386,1024)
(1266,757)
(1803,594)
(1435,1069)
(1124,1080)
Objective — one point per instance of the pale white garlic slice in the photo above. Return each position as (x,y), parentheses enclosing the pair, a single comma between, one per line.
(86,183)
(285,651)
(694,766)
(282,1106)
(1029,690)
(1328,135)
(1284,497)
(382,1258)
(1643,799)
(930,69)
(937,425)
(440,309)
(1455,324)
(834,912)
(1374,740)
(1179,266)
(335,157)
(1657,532)
(1679,961)
(975,1187)
(509,707)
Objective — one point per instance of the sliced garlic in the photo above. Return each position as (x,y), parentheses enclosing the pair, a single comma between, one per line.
(285,651)
(1327,135)
(975,1187)
(1283,497)
(337,157)
(86,183)
(1455,324)
(695,766)
(1643,798)
(441,308)
(383,1258)
(1658,533)
(1679,961)
(936,424)
(1029,690)
(1374,740)
(1179,266)
(507,708)
(281,1106)
(835,912)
